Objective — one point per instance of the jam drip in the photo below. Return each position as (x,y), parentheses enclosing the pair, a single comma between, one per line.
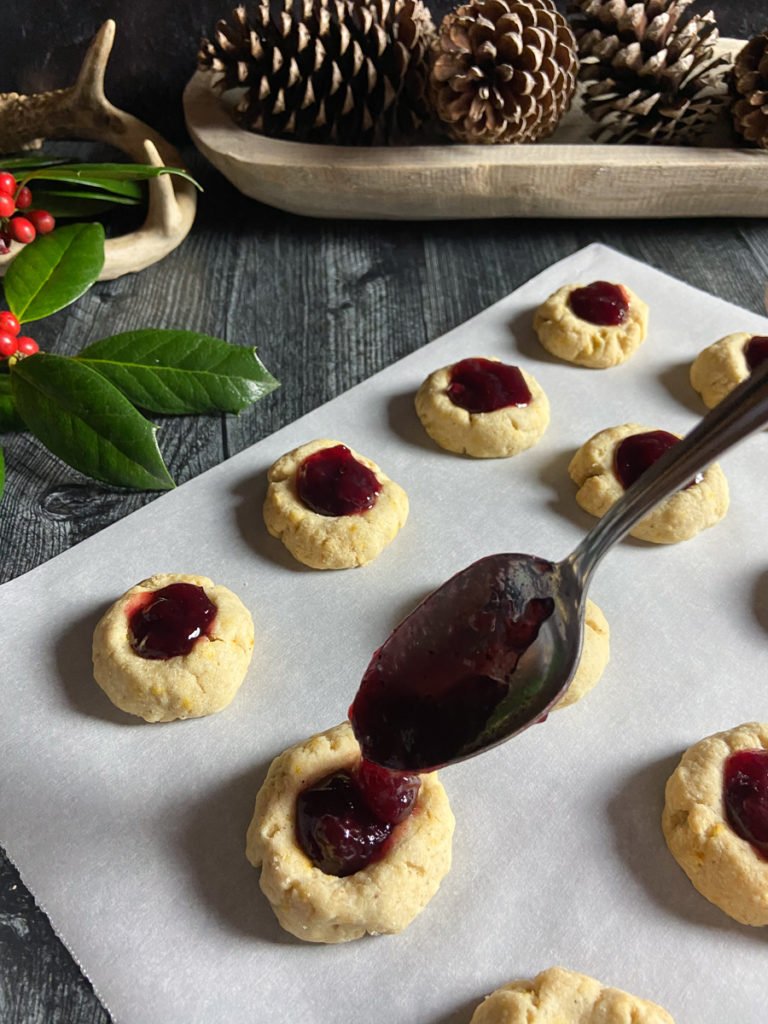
(638,452)
(332,482)
(745,786)
(600,303)
(482,385)
(756,351)
(422,710)
(344,821)
(167,622)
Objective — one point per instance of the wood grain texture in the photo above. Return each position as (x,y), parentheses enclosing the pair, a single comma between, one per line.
(328,303)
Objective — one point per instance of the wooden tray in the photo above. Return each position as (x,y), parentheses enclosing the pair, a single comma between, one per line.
(566,176)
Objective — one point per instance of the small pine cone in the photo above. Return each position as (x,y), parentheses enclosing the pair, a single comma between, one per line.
(503,70)
(338,71)
(650,70)
(750,85)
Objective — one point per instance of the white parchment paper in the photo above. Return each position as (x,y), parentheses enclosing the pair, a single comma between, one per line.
(131,836)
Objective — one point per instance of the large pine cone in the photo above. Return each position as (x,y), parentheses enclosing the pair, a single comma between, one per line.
(650,70)
(750,84)
(339,71)
(503,70)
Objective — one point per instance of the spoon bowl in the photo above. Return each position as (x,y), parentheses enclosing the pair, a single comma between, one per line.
(493,649)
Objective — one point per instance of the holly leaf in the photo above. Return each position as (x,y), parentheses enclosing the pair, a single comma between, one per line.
(180,371)
(9,418)
(85,420)
(54,271)
(111,177)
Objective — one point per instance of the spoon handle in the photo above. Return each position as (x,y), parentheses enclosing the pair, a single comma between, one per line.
(742,412)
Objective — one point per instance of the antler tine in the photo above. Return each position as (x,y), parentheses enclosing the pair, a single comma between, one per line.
(90,80)
(170,215)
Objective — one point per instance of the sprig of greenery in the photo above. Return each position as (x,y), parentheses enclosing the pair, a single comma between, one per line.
(86,408)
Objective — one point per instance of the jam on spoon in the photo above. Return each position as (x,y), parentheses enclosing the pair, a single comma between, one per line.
(600,303)
(745,793)
(166,623)
(344,821)
(756,351)
(485,385)
(332,482)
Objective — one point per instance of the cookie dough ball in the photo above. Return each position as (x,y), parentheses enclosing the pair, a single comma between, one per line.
(726,868)
(677,518)
(595,652)
(357,510)
(559,996)
(383,897)
(131,660)
(717,370)
(619,327)
(483,408)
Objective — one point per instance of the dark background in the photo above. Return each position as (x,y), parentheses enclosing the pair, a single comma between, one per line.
(329,303)
(42,43)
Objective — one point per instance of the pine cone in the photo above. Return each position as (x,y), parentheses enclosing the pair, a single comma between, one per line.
(503,70)
(650,69)
(339,71)
(750,85)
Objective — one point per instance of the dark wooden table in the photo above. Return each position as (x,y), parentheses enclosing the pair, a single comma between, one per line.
(328,304)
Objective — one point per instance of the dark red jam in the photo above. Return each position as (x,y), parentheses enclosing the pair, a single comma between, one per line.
(420,709)
(638,452)
(332,482)
(344,821)
(601,303)
(483,385)
(756,351)
(167,622)
(745,786)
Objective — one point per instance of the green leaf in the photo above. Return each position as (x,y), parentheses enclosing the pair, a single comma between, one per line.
(9,418)
(84,420)
(107,176)
(25,161)
(54,271)
(43,195)
(65,208)
(65,175)
(180,371)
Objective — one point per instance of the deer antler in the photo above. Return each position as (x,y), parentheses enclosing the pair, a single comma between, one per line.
(83,112)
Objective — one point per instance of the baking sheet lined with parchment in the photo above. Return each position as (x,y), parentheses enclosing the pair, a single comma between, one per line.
(131,836)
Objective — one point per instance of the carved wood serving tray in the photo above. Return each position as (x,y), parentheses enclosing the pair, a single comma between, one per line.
(566,176)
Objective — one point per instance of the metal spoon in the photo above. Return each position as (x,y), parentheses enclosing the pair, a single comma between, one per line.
(492,650)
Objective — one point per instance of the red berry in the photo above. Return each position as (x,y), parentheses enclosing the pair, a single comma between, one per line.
(42,221)
(7,205)
(21,230)
(27,346)
(8,345)
(9,323)
(7,183)
(23,198)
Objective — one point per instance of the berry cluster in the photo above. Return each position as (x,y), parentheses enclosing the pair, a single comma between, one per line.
(11,342)
(15,226)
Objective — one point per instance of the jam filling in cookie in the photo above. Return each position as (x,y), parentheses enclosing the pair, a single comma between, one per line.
(167,622)
(745,791)
(343,822)
(756,351)
(600,303)
(484,385)
(332,482)
(637,453)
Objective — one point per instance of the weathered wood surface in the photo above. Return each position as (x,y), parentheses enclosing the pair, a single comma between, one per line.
(329,303)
